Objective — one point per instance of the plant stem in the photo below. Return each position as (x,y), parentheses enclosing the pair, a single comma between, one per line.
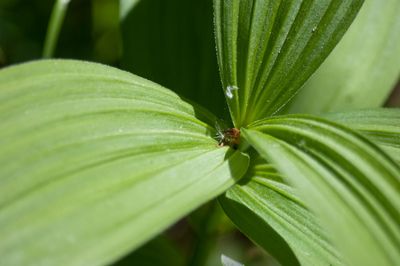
(206,235)
(54,27)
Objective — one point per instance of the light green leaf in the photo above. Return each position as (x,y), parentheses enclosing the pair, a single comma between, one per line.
(270,213)
(364,67)
(268,49)
(126,6)
(53,29)
(351,185)
(96,161)
(172,43)
(380,125)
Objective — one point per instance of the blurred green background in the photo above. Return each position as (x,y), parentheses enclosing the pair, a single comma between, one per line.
(89,32)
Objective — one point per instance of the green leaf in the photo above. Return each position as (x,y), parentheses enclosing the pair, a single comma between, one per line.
(380,125)
(351,185)
(364,67)
(96,161)
(172,43)
(55,24)
(268,49)
(269,212)
(126,6)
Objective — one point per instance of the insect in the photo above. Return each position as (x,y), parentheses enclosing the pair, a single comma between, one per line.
(227,137)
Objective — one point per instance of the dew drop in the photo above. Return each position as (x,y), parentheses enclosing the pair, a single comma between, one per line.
(314,29)
(229,90)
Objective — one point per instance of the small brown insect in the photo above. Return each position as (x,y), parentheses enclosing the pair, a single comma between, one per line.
(229,137)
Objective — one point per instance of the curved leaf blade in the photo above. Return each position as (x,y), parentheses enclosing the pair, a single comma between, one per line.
(96,161)
(351,185)
(268,49)
(363,69)
(269,212)
(381,125)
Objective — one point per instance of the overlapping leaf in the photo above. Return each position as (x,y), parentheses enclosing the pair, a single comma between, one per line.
(268,49)
(349,183)
(363,68)
(95,161)
(265,198)
(269,211)
(380,125)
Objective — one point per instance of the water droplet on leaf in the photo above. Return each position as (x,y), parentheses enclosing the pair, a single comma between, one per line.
(229,90)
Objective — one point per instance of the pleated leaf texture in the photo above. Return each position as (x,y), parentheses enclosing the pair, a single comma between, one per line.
(381,125)
(268,208)
(96,161)
(268,49)
(351,184)
(362,69)
(272,214)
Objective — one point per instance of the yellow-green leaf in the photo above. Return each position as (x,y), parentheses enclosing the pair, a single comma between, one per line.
(267,49)
(96,161)
(350,184)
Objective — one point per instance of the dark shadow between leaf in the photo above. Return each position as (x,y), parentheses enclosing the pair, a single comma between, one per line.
(275,244)
(172,43)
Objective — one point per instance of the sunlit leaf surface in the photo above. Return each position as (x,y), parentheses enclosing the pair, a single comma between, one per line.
(364,67)
(268,49)
(271,213)
(380,125)
(95,161)
(351,185)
